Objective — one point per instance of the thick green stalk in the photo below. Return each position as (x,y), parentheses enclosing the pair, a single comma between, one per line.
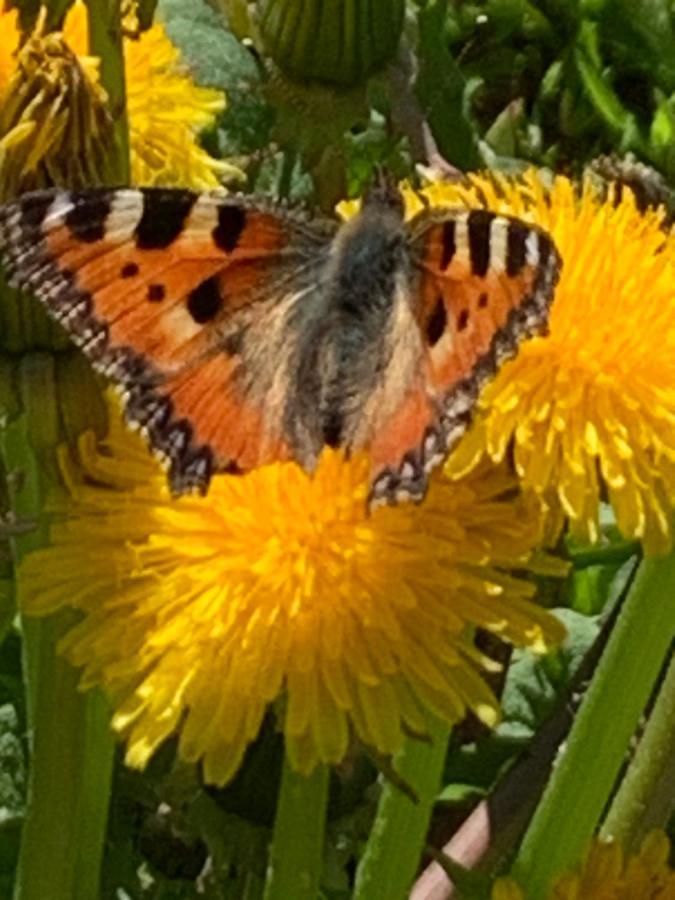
(70,740)
(646,797)
(296,856)
(398,835)
(586,772)
(71,765)
(105,41)
(48,398)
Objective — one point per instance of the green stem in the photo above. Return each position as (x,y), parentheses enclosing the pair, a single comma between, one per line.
(296,856)
(285,182)
(646,798)
(106,42)
(602,556)
(583,779)
(398,835)
(70,740)
(71,764)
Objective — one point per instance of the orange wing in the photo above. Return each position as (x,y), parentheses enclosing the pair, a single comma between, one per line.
(484,284)
(163,289)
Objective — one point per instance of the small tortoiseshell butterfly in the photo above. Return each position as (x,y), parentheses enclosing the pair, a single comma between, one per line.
(241,333)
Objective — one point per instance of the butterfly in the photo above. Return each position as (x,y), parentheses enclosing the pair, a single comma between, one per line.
(240,332)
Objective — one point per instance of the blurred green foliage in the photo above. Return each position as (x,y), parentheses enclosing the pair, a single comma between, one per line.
(561,82)
(503,83)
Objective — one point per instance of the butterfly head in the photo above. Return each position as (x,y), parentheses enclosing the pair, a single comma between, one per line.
(383,193)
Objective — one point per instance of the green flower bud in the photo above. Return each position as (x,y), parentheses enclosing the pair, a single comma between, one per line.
(339,42)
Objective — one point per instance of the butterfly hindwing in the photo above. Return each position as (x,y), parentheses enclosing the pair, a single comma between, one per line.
(158,288)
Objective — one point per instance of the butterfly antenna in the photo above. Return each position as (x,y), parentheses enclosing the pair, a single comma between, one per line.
(383,191)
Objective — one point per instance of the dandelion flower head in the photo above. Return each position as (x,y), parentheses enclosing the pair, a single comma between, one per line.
(609,874)
(590,406)
(199,612)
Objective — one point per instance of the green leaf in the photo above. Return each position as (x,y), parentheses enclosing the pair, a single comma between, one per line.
(535,684)
(212,52)
(599,88)
(217,59)
(440,88)
(459,793)
(502,135)
(533,690)
(662,131)
(643,37)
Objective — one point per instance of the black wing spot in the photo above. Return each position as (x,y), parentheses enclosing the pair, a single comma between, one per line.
(479,224)
(483,301)
(449,245)
(436,323)
(544,247)
(163,219)
(86,219)
(462,320)
(34,207)
(231,222)
(156,292)
(516,237)
(129,270)
(205,301)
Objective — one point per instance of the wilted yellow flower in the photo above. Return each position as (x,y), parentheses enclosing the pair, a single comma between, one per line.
(54,122)
(591,406)
(606,874)
(166,110)
(201,611)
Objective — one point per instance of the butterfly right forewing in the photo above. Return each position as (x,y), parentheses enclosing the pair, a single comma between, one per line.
(484,284)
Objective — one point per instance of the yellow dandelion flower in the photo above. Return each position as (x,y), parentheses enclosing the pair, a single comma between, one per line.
(165,108)
(166,113)
(606,874)
(591,406)
(9,44)
(201,611)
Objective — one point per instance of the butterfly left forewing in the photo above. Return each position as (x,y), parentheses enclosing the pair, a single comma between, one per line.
(483,284)
(158,288)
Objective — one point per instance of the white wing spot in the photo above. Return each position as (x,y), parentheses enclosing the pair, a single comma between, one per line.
(203,216)
(462,254)
(499,228)
(125,213)
(532,249)
(59,208)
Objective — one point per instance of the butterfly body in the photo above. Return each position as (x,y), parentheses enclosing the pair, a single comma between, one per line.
(241,333)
